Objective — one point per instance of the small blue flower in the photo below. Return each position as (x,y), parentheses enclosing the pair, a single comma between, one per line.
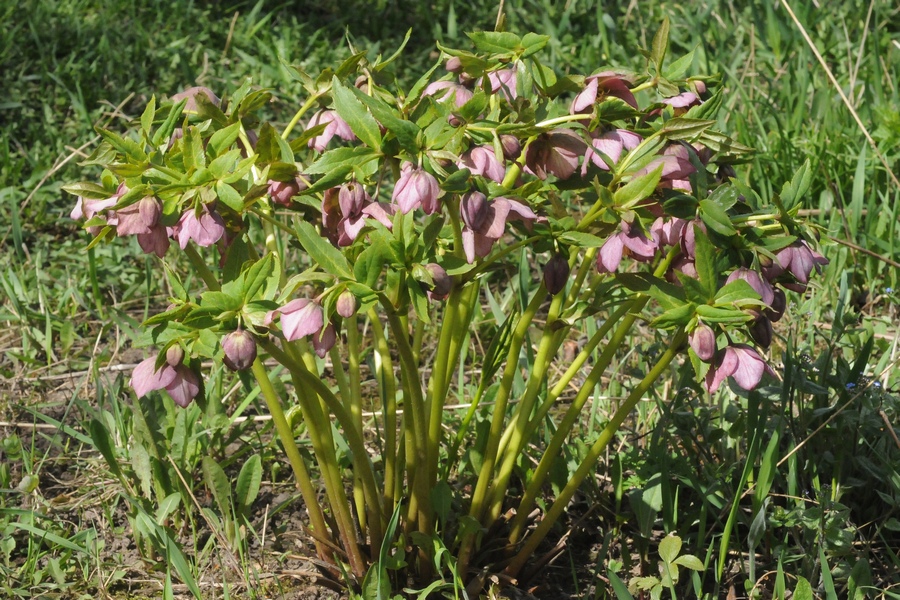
(889,290)
(877,385)
(850,385)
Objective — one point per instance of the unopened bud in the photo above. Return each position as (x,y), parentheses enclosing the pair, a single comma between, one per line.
(454,65)
(443,282)
(282,191)
(346,304)
(511,147)
(174,355)
(556,274)
(779,304)
(761,331)
(240,350)
(703,342)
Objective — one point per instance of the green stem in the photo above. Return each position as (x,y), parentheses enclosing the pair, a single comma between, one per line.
(296,118)
(200,265)
(588,464)
(301,475)
(384,370)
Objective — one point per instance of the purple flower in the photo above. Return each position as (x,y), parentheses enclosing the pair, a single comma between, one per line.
(676,167)
(606,150)
(703,342)
(87,209)
(240,350)
(555,153)
(503,81)
(760,285)
(202,225)
(178,380)
(741,362)
(607,83)
(799,260)
(323,340)
(345,210)
(282,192)
(416,187)
(139,217)
(302,318)
(155,241)
(191,94)
(669,233)
(484,221)
(481,160)
(556,274)
(336,126)
(682,101)
(442,282)
(630,241)
(444,90)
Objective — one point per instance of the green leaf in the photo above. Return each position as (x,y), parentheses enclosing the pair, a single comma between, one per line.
(221,140)
(147,117)
(496,42)
(660,45)
(677,68)
(164,133)
(533,43)
(680,315)
(683,128)
(619,587)
(689,561)
(219,302)
(405,131)
(716,218)
(418,298)
(230,196)
(262,279)
(581,239)
(370,262)
(341,158)
(218,484)
(637,189)
(705,262)
(794,190)
(802,591)
(736,292)
(715,314)
(248,481)
(103,442)
(669,547)
(355,114)
(124,145)
(88,190)
(322,252)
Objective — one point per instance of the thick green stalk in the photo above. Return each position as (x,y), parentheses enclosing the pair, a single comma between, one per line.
(485,476)
(536,378)
(296,118)
(384,370)
(200,265)
(301,475)
(587,466)
(572,414)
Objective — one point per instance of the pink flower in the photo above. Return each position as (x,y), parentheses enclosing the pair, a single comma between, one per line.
(676,167)
(282,192)
(631,241)
(138,218)
(239,349)
(484,221)
(302,318)
(682,101)
(202,225)
(87,209)
(606,83)
(503,81)
(336,126)
(416,187)
(703,342)
(799,260)
(669,233)
(191,94)
(481,160)
(444,90)
(442,282)
(555,153)
(178,380)
(741,362)
(345,210)
(607,149)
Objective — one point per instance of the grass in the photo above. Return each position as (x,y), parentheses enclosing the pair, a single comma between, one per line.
(797,485)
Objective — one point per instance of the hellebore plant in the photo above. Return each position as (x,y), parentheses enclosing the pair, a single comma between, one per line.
(372,236)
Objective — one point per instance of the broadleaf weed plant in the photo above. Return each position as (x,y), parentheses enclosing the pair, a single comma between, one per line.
(359,240)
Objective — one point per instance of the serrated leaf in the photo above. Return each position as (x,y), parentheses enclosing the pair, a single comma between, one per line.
(677,68)
(220,302)
(225,163)
(495,42)
(147,117)
(230,196)
(533,43)
(87,190)
(705,262)
(581,239)
(405,131)
(221,140)
(340,158)
(218,484)
(660,45)
(674,317)
(716,218)
(261,279)
(322,252)
(637,189)
(714,314)
(164,133)
(124,145)
(355,114)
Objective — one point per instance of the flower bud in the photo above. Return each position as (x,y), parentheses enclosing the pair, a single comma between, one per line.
(556,274)
(779,304)
(761,331)
(443,282)
(346,304)
(174,355)
(512,149)
(454,65)
(703,342)
(282,191)
(240,350)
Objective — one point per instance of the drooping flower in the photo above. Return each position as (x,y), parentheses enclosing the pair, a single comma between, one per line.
(177,379)
(759,284)
(336,126)
(556,274)
(682,101)
(504,82)
(282,192)
(799,260)
(741,362)
(607,149)
(442,282)
(481,160)
(239,349)
(606,83)
(86,208)
(669,232)
(304,318)
(345,210)
(139,217)
(676,167)
(484,221)
(416,188)
(630,241)
(703,342)
(191,94)
(444,90)
(202,225)
(555,153)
